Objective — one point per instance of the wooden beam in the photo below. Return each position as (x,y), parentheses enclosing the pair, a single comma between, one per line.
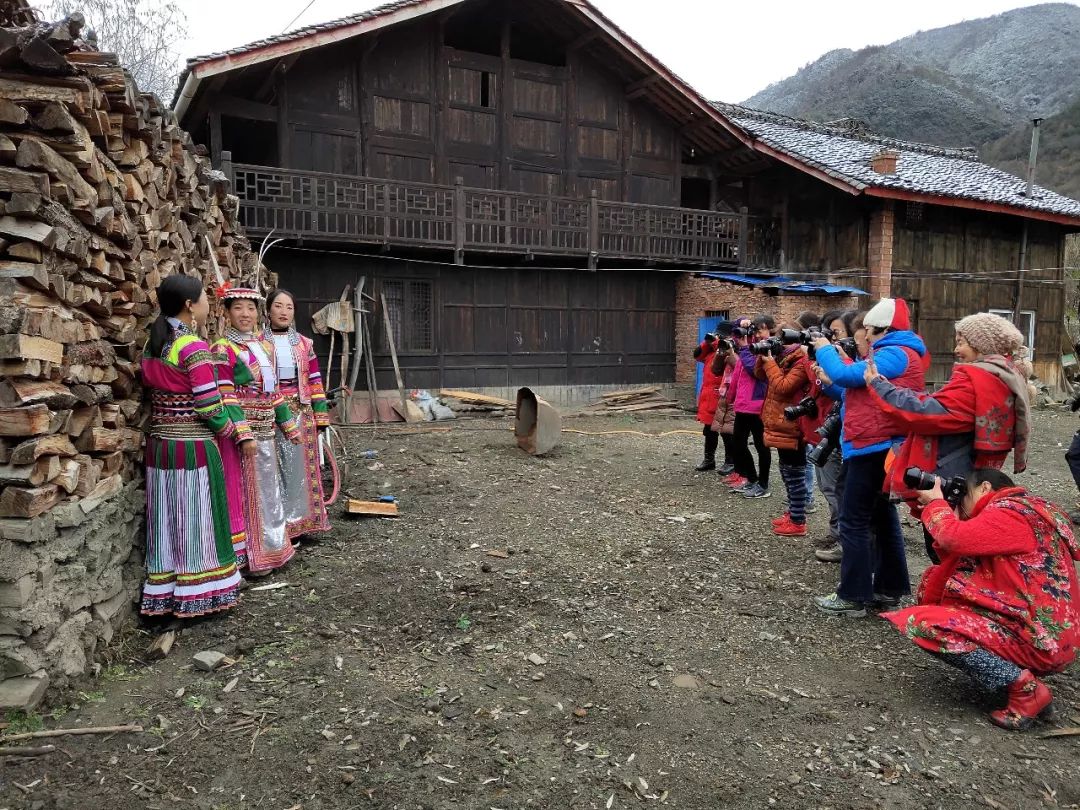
(586,38)
(226,104)
(640,88)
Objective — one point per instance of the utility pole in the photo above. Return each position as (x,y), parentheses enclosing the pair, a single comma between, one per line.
(1033,157)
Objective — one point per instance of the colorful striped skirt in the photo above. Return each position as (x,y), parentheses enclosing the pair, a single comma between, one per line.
(302,479)
(190,564)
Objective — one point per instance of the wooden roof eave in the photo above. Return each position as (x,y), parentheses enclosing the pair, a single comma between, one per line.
(975,205)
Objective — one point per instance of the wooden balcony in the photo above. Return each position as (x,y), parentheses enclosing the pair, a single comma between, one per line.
(343,208)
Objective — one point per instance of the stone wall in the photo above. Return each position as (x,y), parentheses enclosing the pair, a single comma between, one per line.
(697,297)
(102,195)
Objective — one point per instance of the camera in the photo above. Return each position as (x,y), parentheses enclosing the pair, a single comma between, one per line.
(848,347)
(806,407)
(952,488)
(771,345)
(742,331)
(830,437)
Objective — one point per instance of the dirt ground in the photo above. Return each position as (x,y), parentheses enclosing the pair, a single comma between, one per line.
(601,628)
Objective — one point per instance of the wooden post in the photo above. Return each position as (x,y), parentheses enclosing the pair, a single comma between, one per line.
(459,221)
(594,229)
(393,356)
(744,236)
(227,167)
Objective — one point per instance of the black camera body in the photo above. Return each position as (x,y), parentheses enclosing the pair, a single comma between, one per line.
(807,407)
(742,331)
(848,347)
(952,488)
(773,345)
(830,437)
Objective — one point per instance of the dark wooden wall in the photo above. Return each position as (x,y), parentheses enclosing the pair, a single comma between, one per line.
(496,328)
(821,230)
(480,97)
(932,241)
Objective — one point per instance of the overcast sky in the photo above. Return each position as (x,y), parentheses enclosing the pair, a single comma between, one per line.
(727,50)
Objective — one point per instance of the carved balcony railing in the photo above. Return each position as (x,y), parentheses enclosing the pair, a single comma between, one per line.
(333,207)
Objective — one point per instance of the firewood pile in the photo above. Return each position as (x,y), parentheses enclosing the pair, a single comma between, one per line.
(639,399)
(101,196)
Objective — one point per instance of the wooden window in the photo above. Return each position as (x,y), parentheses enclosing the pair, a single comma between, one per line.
(409,304)
(477,89)
(914,213)
(1026,326)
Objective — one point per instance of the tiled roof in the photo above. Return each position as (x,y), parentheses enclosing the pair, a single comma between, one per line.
(300,33)
(843,149)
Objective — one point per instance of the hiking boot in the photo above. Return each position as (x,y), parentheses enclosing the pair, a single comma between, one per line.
(883,603)
(707,463)
(811,507)
(1029,699)
(755,491)
(829,554)
(789,529)
(725,469)
(835,606)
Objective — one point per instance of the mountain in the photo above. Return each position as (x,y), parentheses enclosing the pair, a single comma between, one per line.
(977,83)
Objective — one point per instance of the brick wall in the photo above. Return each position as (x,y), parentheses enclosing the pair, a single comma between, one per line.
(880,253)
(694,297)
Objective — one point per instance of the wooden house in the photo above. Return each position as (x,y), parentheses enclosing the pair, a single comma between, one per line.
(528,188)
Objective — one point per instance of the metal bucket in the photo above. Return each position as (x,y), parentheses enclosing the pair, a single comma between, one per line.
(538,425)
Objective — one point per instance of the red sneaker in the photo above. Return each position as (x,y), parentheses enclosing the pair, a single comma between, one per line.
(735,481)
(1029,699)
(789,529)
(785,518)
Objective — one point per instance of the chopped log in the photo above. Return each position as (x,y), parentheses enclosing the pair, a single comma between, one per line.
(33,449)
(83,418)
(28,230)
(112,463)
(34,154)
(19,502)
(67,478)
(99,440)
(89,474)
(29,421)
(21,347)
(27,392)
(17,180)
(12,114)
(27,251)
(30,475)
(33,275)
(55,117)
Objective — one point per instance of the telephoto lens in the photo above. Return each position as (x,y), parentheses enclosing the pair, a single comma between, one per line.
(806,407)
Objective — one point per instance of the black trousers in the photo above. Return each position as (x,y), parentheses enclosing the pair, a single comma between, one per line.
(749,425)
(712,441)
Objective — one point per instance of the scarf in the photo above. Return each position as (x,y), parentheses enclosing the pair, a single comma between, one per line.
(1003,369)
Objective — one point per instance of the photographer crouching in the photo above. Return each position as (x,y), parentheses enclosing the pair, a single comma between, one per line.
(974,421)
(1004,602)
(871,573)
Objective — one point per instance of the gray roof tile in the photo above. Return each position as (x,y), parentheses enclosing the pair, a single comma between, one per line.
(843,150)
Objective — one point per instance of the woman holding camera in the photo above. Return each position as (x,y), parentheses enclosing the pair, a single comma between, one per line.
(788,375)
(708,399)
(723,367)
(974,421)
(747,393)
(1004,602)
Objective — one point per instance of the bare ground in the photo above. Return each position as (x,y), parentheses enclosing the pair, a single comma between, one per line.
(675,658)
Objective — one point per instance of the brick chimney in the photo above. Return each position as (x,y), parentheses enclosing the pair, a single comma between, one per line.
(884,162)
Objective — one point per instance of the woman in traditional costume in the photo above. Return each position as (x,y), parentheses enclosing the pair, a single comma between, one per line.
(300,382)
(1004,602)
(247,361)
(190,563)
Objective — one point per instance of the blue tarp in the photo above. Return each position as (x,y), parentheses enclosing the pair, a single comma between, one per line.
(786,284)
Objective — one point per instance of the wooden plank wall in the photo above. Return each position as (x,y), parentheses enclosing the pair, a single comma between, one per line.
(404,105)
(495,328)
(931,241)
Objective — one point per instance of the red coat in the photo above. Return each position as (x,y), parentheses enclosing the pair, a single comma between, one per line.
(1007,583)
(709,396)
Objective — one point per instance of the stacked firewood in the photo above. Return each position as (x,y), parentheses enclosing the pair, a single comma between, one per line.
(639,399)
(101,196)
